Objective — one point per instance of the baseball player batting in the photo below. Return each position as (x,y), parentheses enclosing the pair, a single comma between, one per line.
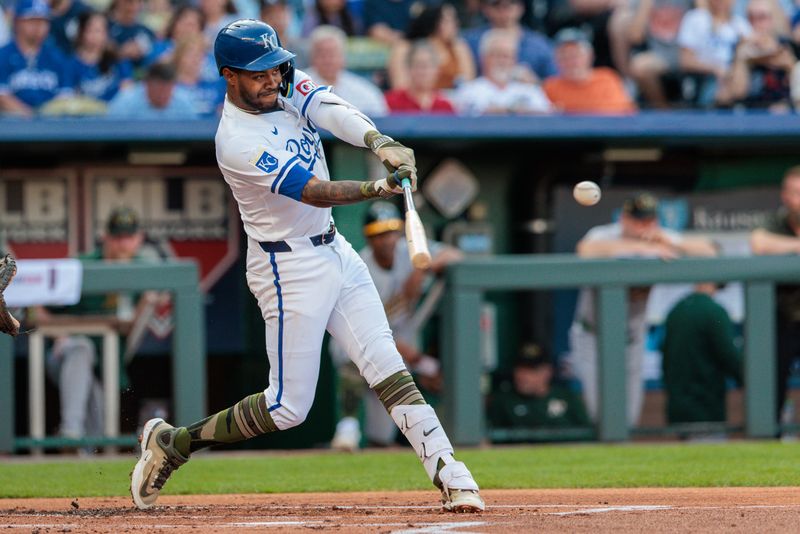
(304,274)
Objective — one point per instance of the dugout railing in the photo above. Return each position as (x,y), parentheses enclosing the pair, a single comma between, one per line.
(181,278)
(462,403)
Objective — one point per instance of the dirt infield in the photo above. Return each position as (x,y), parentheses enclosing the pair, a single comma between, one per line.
(618,510)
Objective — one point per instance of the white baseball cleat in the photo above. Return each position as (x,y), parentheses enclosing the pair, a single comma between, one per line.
(459,490)
(157,460)
(462,501)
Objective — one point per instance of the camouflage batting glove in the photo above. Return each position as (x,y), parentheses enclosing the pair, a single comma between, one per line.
(392,184)
(390,152)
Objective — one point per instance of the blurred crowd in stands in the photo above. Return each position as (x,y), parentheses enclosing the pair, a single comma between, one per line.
(154,58)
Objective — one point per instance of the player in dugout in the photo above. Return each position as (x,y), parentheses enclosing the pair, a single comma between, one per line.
(305,275)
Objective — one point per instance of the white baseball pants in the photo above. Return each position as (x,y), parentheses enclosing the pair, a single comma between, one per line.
(303,292)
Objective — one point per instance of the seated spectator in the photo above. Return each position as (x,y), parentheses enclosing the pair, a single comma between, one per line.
(188,21)
(532,398)
(763,62)
(581,88)
(156,15)
(5,30)
(503,87)
(421,96)
(327,68)
(98,73)
(134,40)
(154,98)
(387,22)
(652,32)
(33,71)
(218,14)
(533,49)
(65,15)
(331,13)
(439,25)
(207,95)
(699,352)
(708,39)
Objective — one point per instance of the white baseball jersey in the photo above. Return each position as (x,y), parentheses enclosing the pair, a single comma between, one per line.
(268,158)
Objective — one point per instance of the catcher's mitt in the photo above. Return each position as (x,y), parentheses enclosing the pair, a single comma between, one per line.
(8,268)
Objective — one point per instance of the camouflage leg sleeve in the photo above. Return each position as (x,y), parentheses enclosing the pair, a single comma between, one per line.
(398,390)
(351,389)
(246,419)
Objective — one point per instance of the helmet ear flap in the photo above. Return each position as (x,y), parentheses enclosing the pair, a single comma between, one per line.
(287,72)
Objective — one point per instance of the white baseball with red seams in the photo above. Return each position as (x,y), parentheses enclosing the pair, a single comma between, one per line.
(587,193)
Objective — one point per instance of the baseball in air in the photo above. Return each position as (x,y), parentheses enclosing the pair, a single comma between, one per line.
(587,193)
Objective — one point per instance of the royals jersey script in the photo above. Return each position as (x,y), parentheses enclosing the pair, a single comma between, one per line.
(268,158)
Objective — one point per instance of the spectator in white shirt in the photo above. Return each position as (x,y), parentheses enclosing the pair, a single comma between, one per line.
(327,58)
(505,86)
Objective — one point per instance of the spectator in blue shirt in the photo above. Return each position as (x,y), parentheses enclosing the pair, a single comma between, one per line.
(98,73)
(64,22)
(206,95)
(32,71)
(534,50)
(153,99)
(134,40)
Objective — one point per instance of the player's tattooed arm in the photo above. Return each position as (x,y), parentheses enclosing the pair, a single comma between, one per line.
(323,194)
(326,194)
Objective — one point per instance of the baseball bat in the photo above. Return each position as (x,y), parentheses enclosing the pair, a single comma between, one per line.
(415,232)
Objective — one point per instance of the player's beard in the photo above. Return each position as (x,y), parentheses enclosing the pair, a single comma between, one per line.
(258,103)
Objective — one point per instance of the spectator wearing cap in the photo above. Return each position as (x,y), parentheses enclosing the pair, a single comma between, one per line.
(533,50)
(501,89)
(638,233)
(533,397)
(581,88)
(155,98)
(400,286)
(32,70)
(327,55)
(72,363)
(422,95)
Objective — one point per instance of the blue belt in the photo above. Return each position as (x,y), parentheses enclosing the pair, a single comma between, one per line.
(283,246)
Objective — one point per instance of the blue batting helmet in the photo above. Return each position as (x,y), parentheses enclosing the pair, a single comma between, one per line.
(253,45)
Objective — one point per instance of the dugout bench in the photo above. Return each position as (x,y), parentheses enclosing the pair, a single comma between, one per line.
(181,278)
(462,408)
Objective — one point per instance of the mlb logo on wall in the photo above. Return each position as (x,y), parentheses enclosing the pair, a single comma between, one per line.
(267,162)
(305,87)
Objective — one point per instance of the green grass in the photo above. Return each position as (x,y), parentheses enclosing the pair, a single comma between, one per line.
(573,466)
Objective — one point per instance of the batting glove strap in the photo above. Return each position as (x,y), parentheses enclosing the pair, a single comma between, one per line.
(375,140)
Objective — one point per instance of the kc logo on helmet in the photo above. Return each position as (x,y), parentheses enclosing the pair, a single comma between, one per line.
(269,40)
